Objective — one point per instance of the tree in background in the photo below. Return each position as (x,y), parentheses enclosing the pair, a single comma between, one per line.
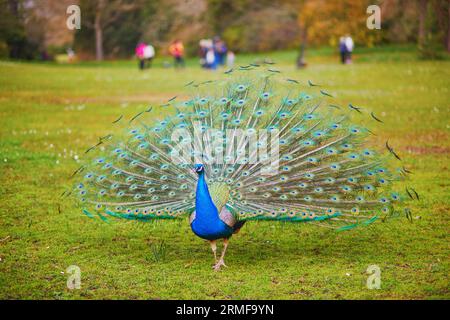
(434,28)
(442,10)
(45,26)
(448,27)
(249,26)
(102,16)
(438,25)
(13,40)
(326,21)
(425,22)
(31,29)
(174,19)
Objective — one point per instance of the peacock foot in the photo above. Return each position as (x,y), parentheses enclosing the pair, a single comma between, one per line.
(219,264)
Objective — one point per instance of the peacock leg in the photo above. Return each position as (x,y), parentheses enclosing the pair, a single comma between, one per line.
(214,249)
(221,262)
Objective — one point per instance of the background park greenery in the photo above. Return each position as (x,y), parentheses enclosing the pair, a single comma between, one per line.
(51,113)
(110,29)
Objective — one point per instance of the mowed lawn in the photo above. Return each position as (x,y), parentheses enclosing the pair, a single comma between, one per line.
(50,114)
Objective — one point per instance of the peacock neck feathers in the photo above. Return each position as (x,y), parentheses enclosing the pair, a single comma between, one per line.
(204,205)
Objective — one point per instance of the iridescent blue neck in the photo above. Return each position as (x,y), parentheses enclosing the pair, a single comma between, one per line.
(204,206)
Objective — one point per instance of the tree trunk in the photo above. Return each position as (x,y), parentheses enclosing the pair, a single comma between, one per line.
(301,55)
(98,26)
(422,17)
(98,37)
(14,7)
(448,30)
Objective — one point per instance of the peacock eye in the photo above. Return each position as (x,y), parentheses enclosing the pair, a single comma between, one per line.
(240,102)
(240,88)
(265,95)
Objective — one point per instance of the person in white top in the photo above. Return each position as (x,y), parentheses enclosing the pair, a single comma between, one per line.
(349,46)
(149,54)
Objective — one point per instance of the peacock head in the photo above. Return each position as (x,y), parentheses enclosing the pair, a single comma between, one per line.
(199,168)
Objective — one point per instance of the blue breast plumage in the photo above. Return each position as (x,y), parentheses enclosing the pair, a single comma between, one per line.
(206,222)
(211,230)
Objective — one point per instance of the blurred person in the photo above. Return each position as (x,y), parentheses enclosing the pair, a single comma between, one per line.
(70,55)
(349,45)
(211,58)
(220,50)
(176,50)
(140,54)
(45,56)
(208,58)
(342,49)
(149,54)
(203,49)
(230,59)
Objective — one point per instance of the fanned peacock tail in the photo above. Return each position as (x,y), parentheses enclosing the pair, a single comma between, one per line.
(324,171)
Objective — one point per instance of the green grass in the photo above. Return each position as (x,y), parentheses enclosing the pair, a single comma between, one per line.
(50,113)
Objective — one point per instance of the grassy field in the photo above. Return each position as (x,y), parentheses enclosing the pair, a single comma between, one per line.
(50,114)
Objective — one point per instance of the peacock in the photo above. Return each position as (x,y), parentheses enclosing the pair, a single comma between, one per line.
(250,145)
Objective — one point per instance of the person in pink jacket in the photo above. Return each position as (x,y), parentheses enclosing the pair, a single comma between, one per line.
(140,54)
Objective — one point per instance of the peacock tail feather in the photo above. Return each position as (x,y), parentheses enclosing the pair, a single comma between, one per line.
(323,173)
